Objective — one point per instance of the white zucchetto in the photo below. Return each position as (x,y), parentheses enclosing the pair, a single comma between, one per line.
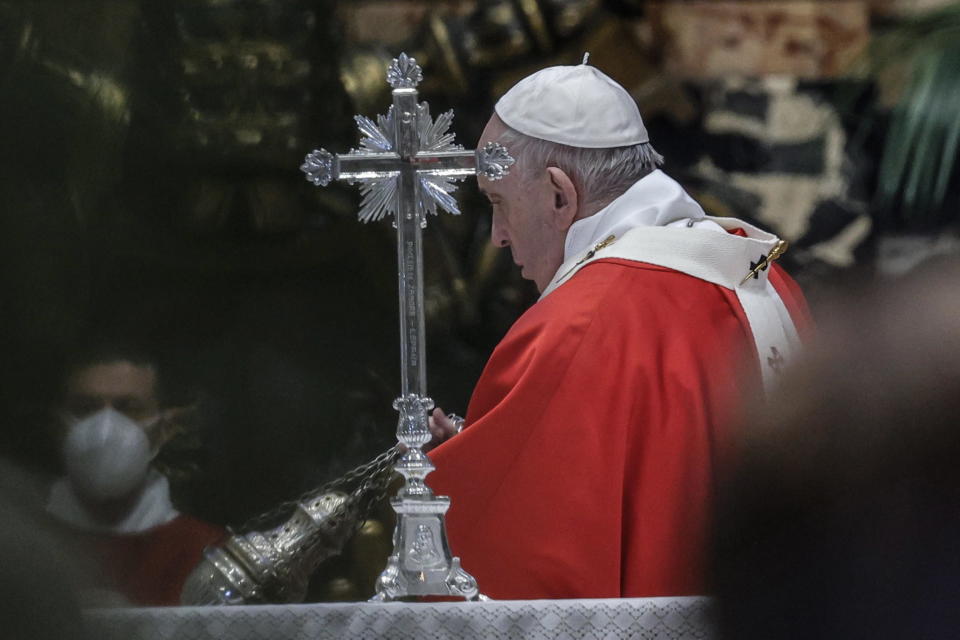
(579,106)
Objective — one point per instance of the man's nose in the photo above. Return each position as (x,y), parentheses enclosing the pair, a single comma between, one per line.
(498,237)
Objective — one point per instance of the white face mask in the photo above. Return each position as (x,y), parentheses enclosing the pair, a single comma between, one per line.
(107,455)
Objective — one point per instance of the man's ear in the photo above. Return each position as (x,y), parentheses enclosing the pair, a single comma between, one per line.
(566,203)
(173,421)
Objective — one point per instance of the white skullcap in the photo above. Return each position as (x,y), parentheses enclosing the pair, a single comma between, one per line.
(577,106)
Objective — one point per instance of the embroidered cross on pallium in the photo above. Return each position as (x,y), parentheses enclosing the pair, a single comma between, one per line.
(765,261)
(758,266)
(776,361)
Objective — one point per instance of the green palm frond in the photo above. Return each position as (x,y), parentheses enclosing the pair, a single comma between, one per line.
(920,155)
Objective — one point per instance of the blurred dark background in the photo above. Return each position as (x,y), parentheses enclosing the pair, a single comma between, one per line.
(150,190)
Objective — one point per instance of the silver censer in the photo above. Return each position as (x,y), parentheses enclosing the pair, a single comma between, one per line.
(272,558)
(407,166)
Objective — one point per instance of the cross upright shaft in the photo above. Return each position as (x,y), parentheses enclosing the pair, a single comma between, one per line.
(407,167)
(409,223)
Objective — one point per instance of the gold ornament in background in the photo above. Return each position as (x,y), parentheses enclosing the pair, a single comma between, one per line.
(64,69)
(457,49)
(567,17)
(494,33)
(246,89)
(361,72)
(239,86)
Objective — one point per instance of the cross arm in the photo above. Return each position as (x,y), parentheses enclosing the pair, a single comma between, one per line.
(450,164)
(492,161)
(366,166)
(322,167)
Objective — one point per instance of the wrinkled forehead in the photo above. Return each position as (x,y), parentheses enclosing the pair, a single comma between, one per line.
(492,132)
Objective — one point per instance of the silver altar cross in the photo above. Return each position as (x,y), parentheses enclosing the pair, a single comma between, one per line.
(407,166)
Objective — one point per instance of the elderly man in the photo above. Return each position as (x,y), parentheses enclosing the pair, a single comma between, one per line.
(587,464)
(111,500)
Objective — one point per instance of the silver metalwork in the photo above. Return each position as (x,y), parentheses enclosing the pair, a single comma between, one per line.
(457,421)
(404,73)
(319,167)
(376,166)
(493,161)
(274,565)
(407,166)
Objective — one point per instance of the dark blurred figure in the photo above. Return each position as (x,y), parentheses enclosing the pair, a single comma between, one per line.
(112,499)
(38,578)
(843,516)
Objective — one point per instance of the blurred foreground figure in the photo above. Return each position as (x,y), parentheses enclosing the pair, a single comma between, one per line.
(111,498)
(38,577)
(586,466)
(843,517)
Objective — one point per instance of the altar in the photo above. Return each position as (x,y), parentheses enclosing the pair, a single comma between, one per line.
(606,619)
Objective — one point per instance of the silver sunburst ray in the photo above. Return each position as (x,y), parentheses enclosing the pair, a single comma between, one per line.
(381,194)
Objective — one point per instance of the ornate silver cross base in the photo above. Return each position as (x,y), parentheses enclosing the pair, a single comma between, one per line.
(407,166)
(422,563)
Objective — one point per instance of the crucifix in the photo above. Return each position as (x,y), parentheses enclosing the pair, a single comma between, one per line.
(407,166)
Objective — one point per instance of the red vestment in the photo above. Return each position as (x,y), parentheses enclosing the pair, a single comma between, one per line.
(150,567)
(589,461)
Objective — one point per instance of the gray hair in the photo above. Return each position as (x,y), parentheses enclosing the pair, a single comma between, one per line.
(600,175)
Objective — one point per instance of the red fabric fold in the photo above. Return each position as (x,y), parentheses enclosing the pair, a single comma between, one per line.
(587,466)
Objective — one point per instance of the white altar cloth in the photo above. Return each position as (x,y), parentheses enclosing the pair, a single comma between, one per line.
(613,619)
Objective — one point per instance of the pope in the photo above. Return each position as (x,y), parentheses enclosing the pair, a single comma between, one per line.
(588,461)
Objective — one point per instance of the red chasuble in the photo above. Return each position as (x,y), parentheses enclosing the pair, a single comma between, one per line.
(588,465)
(150,567)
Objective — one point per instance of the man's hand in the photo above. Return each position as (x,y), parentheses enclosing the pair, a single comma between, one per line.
(442,427)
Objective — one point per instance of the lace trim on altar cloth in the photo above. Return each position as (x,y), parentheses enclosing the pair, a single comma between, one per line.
(613,619)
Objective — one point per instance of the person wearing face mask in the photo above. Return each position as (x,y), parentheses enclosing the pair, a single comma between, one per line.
(111,498)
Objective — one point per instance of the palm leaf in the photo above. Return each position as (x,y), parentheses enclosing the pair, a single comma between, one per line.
(919,159)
